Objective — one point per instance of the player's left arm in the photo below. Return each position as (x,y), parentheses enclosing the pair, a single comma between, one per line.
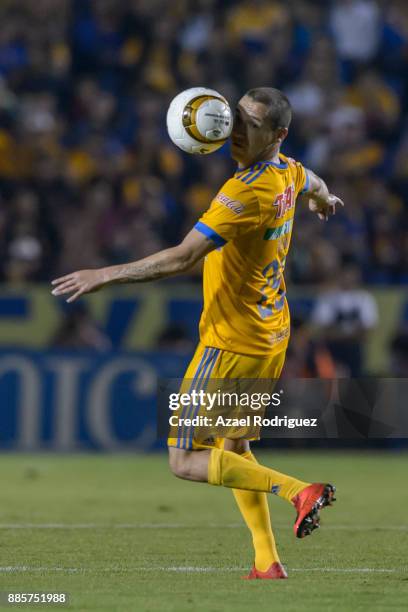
(168,262)
(321,200)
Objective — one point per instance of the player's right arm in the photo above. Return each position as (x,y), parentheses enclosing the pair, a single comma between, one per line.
(321,200)
(168,262)
(233,211)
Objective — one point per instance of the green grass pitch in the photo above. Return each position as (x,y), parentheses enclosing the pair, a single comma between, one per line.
(119,533)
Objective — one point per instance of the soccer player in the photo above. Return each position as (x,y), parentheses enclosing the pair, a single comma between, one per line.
(244,329)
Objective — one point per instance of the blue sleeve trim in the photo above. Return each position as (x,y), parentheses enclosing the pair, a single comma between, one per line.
(307,183)
(210,233)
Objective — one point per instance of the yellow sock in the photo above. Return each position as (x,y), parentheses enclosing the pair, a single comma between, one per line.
(254,508)
(231,470)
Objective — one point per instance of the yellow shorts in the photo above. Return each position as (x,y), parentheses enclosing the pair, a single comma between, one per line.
(211,363)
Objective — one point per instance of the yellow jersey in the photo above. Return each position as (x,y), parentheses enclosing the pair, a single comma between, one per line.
(250,220)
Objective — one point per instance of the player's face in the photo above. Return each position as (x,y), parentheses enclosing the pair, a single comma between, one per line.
(252,137)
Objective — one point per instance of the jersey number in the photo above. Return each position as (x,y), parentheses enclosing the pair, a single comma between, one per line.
(273,274)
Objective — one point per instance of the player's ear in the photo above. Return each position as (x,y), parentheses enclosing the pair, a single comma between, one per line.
(281,134)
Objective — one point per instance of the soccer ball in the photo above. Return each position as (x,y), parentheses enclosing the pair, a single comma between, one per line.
(199,120)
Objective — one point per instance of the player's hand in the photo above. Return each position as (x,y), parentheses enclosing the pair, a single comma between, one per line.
(325,209)
(78,283)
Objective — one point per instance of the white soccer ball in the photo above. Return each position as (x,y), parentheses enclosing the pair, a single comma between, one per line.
(199,120)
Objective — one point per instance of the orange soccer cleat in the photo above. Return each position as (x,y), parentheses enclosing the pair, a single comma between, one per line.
(308,504)
(275,572)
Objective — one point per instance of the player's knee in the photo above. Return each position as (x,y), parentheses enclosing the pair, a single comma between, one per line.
(179,464)
(237,446)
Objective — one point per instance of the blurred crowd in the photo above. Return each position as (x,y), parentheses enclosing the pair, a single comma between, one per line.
(88,176)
